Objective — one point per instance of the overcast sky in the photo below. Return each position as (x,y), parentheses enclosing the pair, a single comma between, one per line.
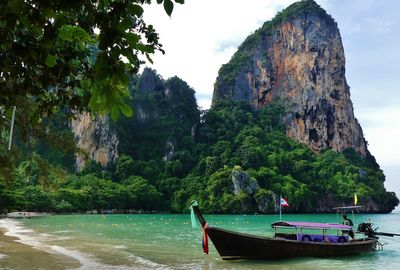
(203,34)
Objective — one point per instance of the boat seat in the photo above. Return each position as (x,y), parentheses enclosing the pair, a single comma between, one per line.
(289,236)
(321,238)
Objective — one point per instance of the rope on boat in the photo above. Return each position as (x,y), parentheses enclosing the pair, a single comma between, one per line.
(379,245)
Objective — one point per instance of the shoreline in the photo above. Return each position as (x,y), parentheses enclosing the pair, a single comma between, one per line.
(21,248)
(17,255)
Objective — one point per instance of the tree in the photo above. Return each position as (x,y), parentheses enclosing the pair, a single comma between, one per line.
(69,55)
(56,53)
(37,199)
(124,167)
(141,194)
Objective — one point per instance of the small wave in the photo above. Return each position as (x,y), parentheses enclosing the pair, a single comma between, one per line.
(120,247)
(63,231)
(2,256)
(14,229)
(87,262)
(90,262)
(147,264)
(62,238)
(196,266)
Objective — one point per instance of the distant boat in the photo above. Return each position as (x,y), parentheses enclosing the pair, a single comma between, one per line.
(306,239)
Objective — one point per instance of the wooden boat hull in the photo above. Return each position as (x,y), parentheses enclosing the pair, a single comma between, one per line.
(232,245)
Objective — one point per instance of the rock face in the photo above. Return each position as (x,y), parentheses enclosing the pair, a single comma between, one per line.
(242,182)
(165,113)
(97,140)
(263,201)
(298,59)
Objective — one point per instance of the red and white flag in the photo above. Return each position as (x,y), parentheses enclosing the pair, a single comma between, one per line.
(284,202)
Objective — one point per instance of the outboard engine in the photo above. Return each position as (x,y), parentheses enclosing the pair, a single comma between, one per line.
(367,229)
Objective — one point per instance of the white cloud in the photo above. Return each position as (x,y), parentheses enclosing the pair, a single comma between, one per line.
(382,134)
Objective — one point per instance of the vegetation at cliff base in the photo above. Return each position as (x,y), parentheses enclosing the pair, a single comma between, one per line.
(231,158)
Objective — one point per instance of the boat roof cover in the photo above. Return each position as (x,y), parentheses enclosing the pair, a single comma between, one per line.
(311,225)
(347,207)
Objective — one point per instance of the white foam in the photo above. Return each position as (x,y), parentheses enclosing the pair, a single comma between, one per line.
(2,256)
(147,264)
(89,262)
(120,247)
(63,231)
(14,228)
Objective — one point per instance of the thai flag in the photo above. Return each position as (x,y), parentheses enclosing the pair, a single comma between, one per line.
(284,202)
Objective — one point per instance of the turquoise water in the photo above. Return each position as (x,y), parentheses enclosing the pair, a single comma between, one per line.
(168,241)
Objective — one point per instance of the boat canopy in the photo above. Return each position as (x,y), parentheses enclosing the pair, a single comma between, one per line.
(352,207)
(311,225)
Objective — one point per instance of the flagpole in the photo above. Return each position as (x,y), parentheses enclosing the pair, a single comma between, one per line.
(11,128)
(280,207)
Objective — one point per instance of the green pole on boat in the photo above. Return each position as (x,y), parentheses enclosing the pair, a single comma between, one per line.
(193,219)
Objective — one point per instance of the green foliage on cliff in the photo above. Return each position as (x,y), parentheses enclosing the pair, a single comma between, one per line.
(300,8)
(232,159)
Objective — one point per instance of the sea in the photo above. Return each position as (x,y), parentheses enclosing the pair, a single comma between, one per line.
(165,241)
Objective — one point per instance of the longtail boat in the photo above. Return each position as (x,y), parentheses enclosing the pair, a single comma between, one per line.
(305,239)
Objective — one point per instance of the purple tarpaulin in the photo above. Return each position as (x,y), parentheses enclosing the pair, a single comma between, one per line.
(311,225)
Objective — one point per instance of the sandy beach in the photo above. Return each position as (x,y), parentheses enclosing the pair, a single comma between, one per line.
(14,255)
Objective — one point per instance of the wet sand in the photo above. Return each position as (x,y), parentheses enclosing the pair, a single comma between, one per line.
(14,255)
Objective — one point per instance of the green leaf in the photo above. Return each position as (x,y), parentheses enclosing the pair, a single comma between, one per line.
(168,7)
(16,5)
(80,92)
(159,1)
(132,38)
(121,77)
(49,13)
(93,103)
(144,48)
(51,60)
(124,24)
(137,10)
(101,75)
(80,33)
(65,34)
(180,1)
(126,110)
(59,20)
(115,113)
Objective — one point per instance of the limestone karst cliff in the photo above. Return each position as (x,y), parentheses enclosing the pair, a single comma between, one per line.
(96,140)
(234,157)
(165,113)
(297,58)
